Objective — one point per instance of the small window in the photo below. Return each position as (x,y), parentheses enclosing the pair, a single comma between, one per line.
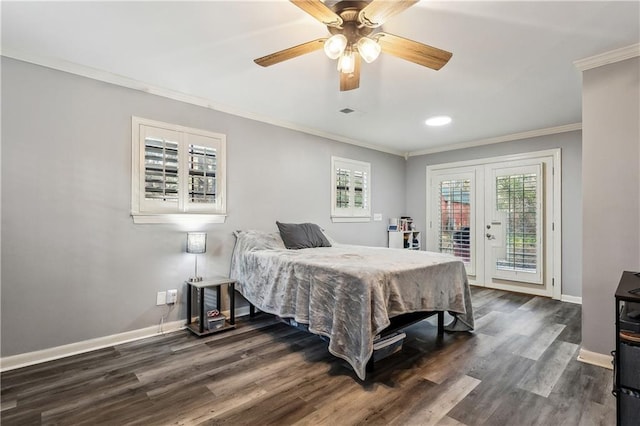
(350,190)
(178,173)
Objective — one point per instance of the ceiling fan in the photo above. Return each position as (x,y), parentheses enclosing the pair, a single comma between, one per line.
(353,26)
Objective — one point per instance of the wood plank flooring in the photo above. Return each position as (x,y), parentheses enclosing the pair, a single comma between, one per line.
(517,368)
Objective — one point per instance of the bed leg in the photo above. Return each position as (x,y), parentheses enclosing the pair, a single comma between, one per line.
(440,323)
(252,310)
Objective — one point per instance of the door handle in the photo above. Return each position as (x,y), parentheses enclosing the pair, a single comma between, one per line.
(490,236)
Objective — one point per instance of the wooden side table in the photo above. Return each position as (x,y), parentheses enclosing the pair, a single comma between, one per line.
(217,282)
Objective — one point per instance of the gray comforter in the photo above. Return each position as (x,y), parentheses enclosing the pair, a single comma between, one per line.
(348,293)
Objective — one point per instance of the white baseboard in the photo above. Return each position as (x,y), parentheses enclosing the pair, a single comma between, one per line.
(571,299)
(31,358)
(595,358)
(50,354)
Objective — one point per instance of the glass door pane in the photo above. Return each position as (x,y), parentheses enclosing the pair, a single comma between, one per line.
(514,232)
(455,217)
(453,211)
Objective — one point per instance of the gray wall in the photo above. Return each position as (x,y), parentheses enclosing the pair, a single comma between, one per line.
(611,193)
(570,145)
(75,267)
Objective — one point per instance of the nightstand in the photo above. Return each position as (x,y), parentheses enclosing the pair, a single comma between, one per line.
(200,327)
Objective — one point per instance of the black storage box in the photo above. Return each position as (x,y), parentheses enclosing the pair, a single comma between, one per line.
(629,365)
(388,345)
(629,407)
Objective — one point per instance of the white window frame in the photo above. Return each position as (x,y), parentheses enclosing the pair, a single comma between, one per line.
(351,213)
(184,211)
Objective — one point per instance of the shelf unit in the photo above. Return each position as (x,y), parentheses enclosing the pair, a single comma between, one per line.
(409,240)
(626,358)
(197,327)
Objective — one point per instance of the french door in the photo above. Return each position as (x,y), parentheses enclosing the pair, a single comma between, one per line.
(501,218)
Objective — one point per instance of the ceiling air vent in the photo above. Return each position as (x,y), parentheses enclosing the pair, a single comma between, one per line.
(347,110)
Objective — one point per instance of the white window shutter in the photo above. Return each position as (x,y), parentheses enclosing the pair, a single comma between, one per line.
(350,190)
(178,173)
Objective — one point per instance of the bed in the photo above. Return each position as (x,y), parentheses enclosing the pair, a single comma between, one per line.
(348,294)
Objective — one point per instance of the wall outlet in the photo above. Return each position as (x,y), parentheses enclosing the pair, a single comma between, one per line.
(377,217)
(161,298)
(172,296)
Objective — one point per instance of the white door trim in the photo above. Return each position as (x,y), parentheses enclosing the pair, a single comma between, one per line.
(555,259)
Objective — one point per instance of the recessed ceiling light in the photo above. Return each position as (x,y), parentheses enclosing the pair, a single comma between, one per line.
(439,120)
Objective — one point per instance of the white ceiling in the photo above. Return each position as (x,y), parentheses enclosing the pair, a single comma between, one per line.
(512,68)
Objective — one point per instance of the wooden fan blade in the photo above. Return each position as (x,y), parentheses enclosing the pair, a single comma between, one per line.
(351,81)
(421,54)
(377,12)
(290,53)
(318,10)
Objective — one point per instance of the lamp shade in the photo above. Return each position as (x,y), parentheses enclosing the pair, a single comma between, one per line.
(347,62)
(368,49)
(196,242)
(335,45)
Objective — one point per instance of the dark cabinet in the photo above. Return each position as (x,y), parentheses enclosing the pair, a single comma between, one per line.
(627,354)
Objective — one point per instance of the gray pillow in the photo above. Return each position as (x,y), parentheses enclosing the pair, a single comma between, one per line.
(302,235)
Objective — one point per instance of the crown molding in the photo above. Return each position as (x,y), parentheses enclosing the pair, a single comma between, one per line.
(130,83)
(498,139)
(119,80)
(606,58)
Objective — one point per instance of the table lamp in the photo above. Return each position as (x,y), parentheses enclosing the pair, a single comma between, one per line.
(196,244)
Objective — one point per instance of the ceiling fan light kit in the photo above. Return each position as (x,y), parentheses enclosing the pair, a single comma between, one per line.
(337,46)
(352,25)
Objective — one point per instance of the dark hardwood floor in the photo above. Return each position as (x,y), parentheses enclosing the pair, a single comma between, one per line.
(518,368)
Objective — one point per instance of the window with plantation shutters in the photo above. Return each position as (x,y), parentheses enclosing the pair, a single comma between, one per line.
(178,173)
(350,190)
